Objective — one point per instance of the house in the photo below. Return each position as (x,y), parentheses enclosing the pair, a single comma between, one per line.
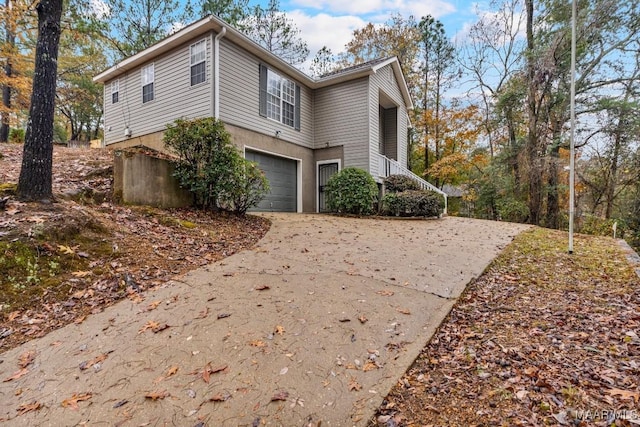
(300,130)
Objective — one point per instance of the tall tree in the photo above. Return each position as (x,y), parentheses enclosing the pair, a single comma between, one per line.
(323,62)
(15,51)
(492,56)
(235,12)
(273,30)
(459,130)
(9,42)
(35,181)
(132,26)
(439,60)
(397,37)
(606,30)
(79,99)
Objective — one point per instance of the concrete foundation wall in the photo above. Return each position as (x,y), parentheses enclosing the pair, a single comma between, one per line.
(141,179)
(247,140)
(152,140)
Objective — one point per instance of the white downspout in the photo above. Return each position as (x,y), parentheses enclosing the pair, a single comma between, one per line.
(216,72)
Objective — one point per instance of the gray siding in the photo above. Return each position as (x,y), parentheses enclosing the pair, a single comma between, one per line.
(384,80)
(174,97)
(391,133)
(239,97)
(342,119)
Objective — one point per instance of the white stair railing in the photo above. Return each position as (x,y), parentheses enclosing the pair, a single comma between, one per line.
(387,167)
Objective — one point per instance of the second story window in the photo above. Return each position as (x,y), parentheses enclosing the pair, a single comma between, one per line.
(198,54)
(279,98)
(115,91)
(148,77)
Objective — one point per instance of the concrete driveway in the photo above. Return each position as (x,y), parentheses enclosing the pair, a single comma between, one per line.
(315,324)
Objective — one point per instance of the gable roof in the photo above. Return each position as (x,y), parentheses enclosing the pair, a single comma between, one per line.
(213,23)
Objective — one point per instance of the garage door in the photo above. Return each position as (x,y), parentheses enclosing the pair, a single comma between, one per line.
(283,180)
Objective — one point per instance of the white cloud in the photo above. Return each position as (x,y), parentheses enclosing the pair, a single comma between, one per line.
(325,30)
(99,8)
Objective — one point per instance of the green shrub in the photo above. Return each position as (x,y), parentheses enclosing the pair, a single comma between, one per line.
(16,136)
(352,191)
(413,203)
(512,210)
(249,187)
(399,183)
(211,167)
(595,225)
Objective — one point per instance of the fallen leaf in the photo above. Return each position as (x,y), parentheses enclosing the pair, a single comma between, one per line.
(155,395)
(208,370)
(82,273)
(26,358)
(67,250)
(154,326)
(354,385)
(220,397)
(152,306)
(13,315)
(624,394)
(279,330)
(385,293)
(16,375)
(171,371)
(521,394)
(80,319)
(262,287)
(297,401)
(98,359)
(28,407)
(72,402)
(257,343)
(403,310)
(12,211)
(281,395)
(370,366)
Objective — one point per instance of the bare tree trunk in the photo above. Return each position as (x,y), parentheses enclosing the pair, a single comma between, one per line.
(613,171)
(553,197)
(533,156)
(35,182)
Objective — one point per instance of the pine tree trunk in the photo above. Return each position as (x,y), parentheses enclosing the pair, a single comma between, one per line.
(534,159)
(553,196)
(35,182)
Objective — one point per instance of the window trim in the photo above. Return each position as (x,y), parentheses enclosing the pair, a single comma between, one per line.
(265,94)
(144,83)
(115,91)
(202,42)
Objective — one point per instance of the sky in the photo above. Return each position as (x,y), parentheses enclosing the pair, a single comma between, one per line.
(332,22)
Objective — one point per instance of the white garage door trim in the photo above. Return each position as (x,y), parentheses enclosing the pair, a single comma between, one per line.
(298,169)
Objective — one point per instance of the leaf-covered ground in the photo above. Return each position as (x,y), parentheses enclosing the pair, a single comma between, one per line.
(542,338)
(63,261)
